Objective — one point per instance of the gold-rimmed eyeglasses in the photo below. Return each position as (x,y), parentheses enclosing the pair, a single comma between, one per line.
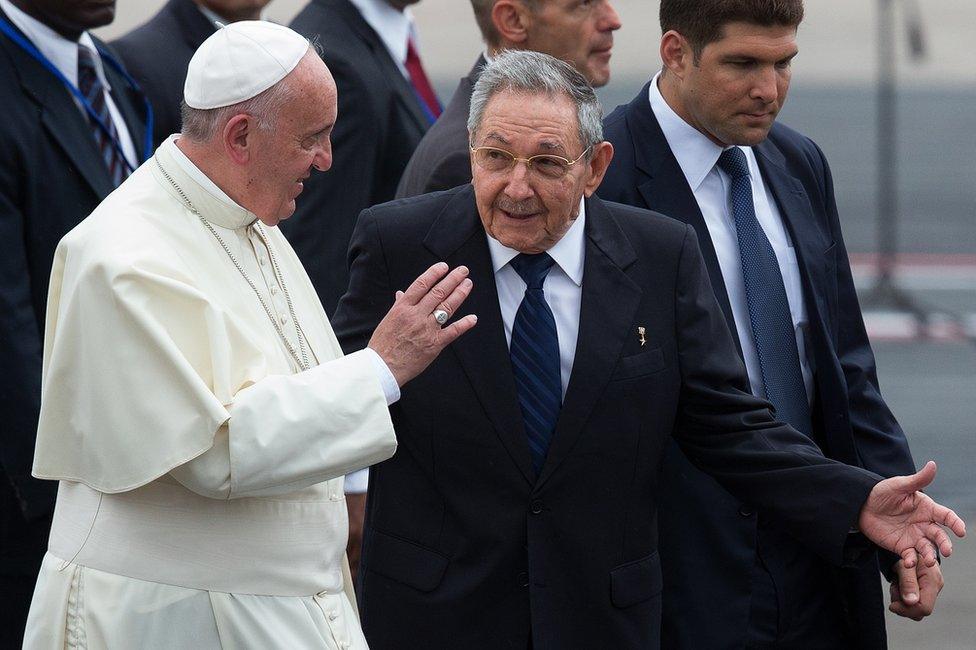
(493,159)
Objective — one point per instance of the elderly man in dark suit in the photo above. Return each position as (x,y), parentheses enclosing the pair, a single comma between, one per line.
(580,33)
(158,52)
(520,508)
(60,154)
(699,144)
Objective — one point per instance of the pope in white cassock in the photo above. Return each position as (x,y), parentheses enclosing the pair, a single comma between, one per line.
(197,409)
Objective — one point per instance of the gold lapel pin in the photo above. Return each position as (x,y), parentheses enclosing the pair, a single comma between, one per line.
(640,336)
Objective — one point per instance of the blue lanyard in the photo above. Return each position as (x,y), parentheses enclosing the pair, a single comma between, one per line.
(29,47)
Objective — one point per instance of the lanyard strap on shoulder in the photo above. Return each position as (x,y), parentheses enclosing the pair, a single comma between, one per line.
(30,49)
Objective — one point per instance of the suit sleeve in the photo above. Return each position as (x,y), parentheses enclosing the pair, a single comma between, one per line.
(879,439)
(20,346)
(370,293)
(453,170)
(732,436)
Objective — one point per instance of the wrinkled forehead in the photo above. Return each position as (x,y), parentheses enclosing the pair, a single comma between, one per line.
(547,121)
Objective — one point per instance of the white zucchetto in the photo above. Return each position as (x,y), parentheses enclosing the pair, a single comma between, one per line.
(240,61)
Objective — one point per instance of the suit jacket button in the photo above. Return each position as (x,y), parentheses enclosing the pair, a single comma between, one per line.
(745,511)
(536,507)
(523,579)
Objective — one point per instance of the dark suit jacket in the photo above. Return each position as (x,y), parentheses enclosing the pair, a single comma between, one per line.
(441,160)
(706,572)
(157,55)
(51,177)
(380,123)
(464,547)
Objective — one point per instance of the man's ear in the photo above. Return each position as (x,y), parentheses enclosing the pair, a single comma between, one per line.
(237,135)
(598,164)
(511,19)
(676,53)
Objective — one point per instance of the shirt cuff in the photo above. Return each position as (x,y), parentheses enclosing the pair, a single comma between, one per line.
(357,482)
(389,383)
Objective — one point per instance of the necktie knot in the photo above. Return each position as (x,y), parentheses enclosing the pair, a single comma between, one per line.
(733,162)
(533,269)
(87,75)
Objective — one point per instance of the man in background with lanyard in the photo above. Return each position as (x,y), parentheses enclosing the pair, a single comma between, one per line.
(72,130)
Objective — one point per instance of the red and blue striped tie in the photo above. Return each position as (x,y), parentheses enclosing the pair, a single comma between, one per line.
(91,87)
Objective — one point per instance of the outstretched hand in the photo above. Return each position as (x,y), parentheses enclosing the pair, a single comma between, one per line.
(409,337)
(903,520)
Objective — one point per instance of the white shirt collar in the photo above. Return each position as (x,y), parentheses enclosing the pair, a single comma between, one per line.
(568,252)
(218,21)
(60,51)
(394,27)
(695,153)
(190,169)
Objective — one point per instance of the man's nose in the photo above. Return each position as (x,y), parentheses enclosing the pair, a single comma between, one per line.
(610,20)
(323,157)
(518,187)
(766,85)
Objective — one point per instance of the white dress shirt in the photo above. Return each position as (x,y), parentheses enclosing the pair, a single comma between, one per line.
(394,28)
(563,289)
(697,156)
(63,53)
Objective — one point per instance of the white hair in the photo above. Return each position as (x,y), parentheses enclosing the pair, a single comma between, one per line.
(524,71)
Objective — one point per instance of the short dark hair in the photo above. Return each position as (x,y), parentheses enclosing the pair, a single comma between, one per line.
(703,21)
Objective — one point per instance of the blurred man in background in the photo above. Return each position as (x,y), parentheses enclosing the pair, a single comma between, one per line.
(700,144)
(60,154)
(386,104)
(579,33)
(158,52)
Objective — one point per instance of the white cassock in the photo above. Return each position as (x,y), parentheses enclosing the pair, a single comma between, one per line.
(201,501)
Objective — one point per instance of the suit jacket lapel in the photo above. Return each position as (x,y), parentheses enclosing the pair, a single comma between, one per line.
(195,28)
(458,237)
(609,302)
(665,189)
(809,243)
(405,91)
(61,117)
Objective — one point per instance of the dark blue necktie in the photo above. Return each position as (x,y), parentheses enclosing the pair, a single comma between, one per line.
(769,308)
(535,357)
(91,87)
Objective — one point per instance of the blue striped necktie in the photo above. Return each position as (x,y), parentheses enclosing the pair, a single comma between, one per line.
(91,87)
(769,308)
(535,357)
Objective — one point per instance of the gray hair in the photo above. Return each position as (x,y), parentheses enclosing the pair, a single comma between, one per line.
(523,71)
(202,124)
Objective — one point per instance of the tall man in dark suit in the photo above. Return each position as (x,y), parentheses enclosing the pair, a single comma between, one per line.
(580,33)
(158,52)
(386,104)
(55,167)
(699,144)
(519,510)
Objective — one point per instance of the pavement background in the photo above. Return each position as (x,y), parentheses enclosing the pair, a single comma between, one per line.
(927,368)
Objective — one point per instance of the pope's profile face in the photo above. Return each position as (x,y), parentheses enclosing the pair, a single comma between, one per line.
(298,142)
(526,209)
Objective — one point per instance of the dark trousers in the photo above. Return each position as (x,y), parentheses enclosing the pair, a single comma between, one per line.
(794,602)
(22,546)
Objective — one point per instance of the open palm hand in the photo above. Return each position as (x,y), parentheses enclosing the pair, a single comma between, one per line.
(903,520)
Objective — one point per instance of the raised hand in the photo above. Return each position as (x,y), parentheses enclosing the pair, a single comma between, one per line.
(898,517)
(409,337)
